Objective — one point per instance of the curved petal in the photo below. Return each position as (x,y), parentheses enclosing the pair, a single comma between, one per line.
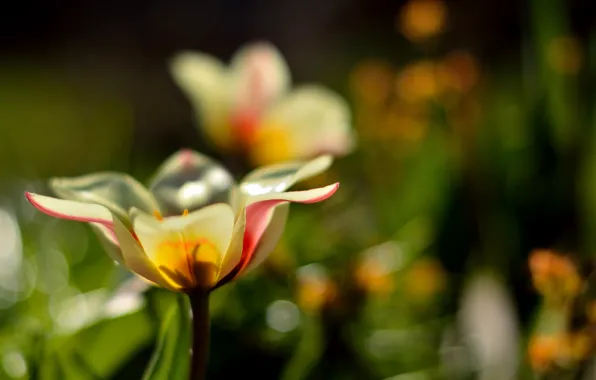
(259,76)
(137,261)
(270,237)
(71,210)
(280,177)
(109,241)
(259,216)
(99,217)
(306,196)
(190,180)
(234,254)
(117,191)
(206,82)
(309,121)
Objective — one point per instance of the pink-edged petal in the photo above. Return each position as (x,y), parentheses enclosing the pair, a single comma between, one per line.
(100,218)
(306,196)
(260,214)
(271,235)
(71,210)
(190,180)
(280,177)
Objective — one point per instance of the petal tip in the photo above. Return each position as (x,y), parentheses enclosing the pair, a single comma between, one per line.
(329,191)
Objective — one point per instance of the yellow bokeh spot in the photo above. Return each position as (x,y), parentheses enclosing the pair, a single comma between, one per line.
(418,82)
(564,55)
(270,144)
(420,20)
(371,82)
(425,279)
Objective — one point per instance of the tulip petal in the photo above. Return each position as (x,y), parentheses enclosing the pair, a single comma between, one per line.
(214,223)
(259,76)
(316,120)
(117,191)
(306,196)
(280,177)
(99,217)
(205,81)
(136,260)
(270,237)
(109,241)
(189,180)
(234,254)
(71,210)
(259,216)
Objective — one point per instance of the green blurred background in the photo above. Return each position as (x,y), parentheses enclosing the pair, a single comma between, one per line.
(476,146)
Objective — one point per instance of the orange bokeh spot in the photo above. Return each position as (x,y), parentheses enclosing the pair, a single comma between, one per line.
(425,279)
(543,351)
(420,20)
(553,275)
(371,81)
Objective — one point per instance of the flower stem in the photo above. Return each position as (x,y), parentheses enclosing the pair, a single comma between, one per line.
(199,302)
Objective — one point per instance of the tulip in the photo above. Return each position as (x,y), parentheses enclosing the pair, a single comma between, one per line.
(194,229)
(249,107)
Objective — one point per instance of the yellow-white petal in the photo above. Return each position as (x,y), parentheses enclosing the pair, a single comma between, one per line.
(136,260)
(309,121)
(234,254)
(190,180)
(259,76)
(306,196)
(117,191)
(206,82)
(280,177)
(71,210)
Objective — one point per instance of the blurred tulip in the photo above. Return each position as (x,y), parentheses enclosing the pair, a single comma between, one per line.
(248,106)
(194,228)
(488,320)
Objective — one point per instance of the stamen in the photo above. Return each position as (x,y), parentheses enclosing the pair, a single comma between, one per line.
(185,212)
(157,215)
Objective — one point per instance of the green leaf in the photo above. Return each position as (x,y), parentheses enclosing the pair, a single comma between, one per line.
(170,361)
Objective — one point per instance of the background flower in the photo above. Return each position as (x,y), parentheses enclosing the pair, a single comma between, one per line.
(249,106)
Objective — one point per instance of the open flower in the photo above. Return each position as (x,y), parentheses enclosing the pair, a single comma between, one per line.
(194,229)
(248,106)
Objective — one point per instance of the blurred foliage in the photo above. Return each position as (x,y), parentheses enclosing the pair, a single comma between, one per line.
(418,268)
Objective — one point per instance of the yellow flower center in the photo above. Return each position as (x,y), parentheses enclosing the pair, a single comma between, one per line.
(188,260)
